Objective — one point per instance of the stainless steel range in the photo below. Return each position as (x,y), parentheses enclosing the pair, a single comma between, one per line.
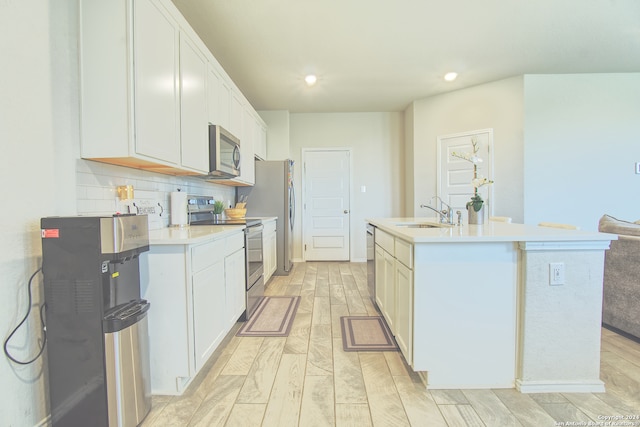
(200,209)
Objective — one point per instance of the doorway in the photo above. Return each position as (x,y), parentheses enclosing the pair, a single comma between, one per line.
(454,175)
(326,201)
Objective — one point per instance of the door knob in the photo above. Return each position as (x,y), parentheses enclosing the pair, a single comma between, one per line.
(346,211)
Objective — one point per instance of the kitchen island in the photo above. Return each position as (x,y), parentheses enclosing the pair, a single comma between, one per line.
(493,306)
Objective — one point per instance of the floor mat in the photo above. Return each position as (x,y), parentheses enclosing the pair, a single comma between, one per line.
(366,333)
(273,318)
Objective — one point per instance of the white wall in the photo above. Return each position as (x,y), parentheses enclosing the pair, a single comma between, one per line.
(496,105)
(409,155)
(582,138)
(43,176)
(38,179)
(378,163)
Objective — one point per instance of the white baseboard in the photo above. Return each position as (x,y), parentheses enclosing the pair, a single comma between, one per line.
(352,260)
(560,387)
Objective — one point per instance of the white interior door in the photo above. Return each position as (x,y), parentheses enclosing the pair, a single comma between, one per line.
(455,174)
(326,204)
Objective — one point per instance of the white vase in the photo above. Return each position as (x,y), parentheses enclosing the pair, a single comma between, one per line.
(476,218)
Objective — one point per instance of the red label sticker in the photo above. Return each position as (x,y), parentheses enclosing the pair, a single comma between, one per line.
(50,233)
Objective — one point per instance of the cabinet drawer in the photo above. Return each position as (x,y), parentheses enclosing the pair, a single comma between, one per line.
(269,227)
(385,241)
(207,254)
(404,253)
(234,243)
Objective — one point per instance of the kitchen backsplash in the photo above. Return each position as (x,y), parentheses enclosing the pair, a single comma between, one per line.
(96,191)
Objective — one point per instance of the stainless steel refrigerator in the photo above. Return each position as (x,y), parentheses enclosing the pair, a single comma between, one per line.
(273,195)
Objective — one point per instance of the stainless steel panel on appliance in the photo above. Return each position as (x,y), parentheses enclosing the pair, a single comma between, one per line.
(121,233)
(255,268)
(274,195)
(371,267)
(254,296)
(127,375)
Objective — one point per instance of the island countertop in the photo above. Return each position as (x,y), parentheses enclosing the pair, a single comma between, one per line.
(481,307)
(488,232)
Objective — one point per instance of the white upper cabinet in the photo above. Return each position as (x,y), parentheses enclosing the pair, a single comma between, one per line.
(261,141)
(236,113)
(193,107)
(213,95)
(224,105)
(247,170)
(156,50)
(149,89)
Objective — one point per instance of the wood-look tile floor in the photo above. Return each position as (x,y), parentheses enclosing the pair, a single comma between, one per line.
(307,380)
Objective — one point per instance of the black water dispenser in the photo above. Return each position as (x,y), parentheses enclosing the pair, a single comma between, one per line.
(97,348)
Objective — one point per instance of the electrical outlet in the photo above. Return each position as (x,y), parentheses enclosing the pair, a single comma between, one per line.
(556,273)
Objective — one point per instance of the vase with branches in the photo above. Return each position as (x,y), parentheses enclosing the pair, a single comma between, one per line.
(476,203)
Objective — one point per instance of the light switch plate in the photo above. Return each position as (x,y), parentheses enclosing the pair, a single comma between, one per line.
(637,167)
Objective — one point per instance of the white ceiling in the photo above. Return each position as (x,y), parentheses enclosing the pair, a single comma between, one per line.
(380,55)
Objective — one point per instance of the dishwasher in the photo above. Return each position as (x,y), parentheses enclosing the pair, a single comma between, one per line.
(371,262)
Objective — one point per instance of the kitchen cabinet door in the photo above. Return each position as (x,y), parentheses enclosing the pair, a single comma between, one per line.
(270,249)
(389,291)
(380,277)
(214,90)
(235,116)
(209,322)
(194,128)
(404,310)
(260,141)
(224,105)
(156,53)
(235,297)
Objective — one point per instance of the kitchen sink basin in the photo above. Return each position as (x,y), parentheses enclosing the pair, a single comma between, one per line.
(422,225)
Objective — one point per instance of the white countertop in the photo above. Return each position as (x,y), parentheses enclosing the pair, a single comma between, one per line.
(489,232)
(192,234)
(197,233)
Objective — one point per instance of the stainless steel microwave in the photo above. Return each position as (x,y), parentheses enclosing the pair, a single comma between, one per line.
(224,153)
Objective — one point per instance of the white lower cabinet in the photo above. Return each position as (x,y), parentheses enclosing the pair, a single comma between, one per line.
(389,290)
(394,288)
(380,284)
(270,249)
(404,310)
(196,292)
(209,320)
(234,273)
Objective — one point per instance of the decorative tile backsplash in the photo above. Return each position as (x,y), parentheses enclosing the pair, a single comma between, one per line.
(96,192)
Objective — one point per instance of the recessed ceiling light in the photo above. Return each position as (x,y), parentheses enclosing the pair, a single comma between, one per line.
(450,76)
(311,79)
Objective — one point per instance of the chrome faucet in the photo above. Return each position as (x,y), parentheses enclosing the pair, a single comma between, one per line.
(445,214)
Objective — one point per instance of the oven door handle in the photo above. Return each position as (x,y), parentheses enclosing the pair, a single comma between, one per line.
(254,229)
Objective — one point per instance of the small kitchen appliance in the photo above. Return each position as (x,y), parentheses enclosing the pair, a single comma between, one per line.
(97,348)
(224,154)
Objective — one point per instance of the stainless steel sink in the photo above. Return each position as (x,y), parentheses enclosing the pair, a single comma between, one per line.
(422,225)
